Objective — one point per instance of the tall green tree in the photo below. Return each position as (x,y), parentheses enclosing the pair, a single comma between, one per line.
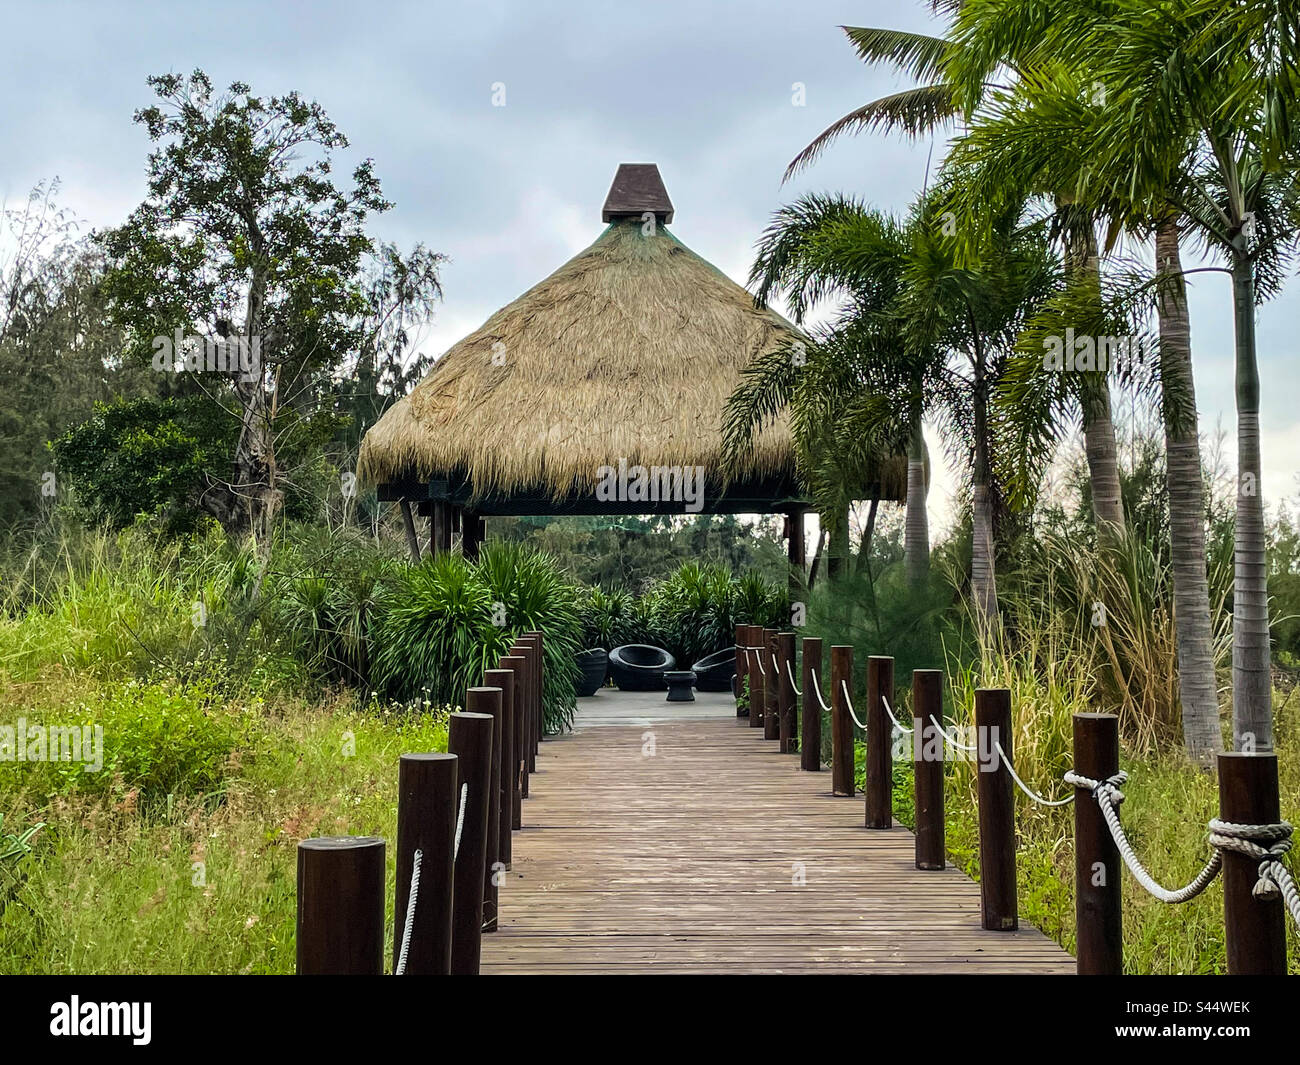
(246,243)
(1190,118)
(1042,136)
(939,100)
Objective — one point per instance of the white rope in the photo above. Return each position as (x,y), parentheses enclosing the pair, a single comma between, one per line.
(817,688)
(761,670)
(1025,787)
(460,821)
(1274,878)
(1108,795)
(897,724)
(411,899)
(949,739)
(790,675)
(844,687)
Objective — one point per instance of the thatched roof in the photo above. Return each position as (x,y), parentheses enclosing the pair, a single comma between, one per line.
(629,350)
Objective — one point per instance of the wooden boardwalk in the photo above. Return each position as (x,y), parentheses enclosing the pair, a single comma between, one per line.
(715,853)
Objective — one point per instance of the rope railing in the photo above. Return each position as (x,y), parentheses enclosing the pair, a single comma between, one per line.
(897,724)
(848,703)
(817,689)
(413,897)
(460,822)
(949,740)
(1265,844)
(790,676)
(1011,769)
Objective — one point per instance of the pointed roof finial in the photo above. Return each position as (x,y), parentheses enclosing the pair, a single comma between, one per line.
(637,189)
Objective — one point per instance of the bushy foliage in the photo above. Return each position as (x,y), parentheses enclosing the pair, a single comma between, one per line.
(691,613)
(442,623)
(165,738)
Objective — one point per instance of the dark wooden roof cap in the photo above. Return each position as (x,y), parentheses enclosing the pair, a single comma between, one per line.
(637,188)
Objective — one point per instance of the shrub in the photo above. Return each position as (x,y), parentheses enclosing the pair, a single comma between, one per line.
(530,593)
(166,737)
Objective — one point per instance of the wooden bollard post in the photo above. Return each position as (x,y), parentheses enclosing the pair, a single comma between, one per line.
(503,678)
(1254,928)
(771,689)
(525,650)
(1099,948)
(810,710)
(518,664)
(928,748)
(740,665)
(539,684)
(757,677)
(879,788)
(841,723)
(997,811)
(469,737)
(340,929)
(785,671)
(490,700)
(535,697)
(428,799)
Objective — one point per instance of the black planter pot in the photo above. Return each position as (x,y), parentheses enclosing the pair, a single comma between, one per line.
(594,664)
(638,667)
(715,673)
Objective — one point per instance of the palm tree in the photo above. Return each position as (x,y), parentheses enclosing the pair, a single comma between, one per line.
(1191,119)
(919,334)
(1043,136)
(836,390)
(923,109)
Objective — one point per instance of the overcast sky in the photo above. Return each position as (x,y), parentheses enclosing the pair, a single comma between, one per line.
(703,88)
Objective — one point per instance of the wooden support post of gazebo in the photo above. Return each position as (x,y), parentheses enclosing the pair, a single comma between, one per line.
(440,527)
(796,550)
(472,531)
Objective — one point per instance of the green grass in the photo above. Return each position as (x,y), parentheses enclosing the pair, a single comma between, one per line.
(193,885)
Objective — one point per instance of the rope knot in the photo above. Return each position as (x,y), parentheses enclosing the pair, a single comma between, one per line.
(1108,789)
(1266,844)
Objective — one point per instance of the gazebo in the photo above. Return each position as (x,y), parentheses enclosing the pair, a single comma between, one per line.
(620,360)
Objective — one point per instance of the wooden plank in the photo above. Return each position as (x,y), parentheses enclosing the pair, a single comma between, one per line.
(692,846)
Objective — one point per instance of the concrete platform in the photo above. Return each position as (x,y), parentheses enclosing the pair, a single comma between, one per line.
(610,707)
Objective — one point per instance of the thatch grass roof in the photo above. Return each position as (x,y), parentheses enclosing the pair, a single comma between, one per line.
(629,350)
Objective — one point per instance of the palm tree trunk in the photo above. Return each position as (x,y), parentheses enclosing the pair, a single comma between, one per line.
(837,547)
(1098,426)
(916,522)
(983,564)
(864,545)
(1252,690)
(1103,464)
(1197,686)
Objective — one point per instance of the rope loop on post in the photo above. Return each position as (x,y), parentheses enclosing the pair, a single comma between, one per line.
(1108,795)
(413,896)
(1267,845)
(790,676)
(817,689)
(848,702)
